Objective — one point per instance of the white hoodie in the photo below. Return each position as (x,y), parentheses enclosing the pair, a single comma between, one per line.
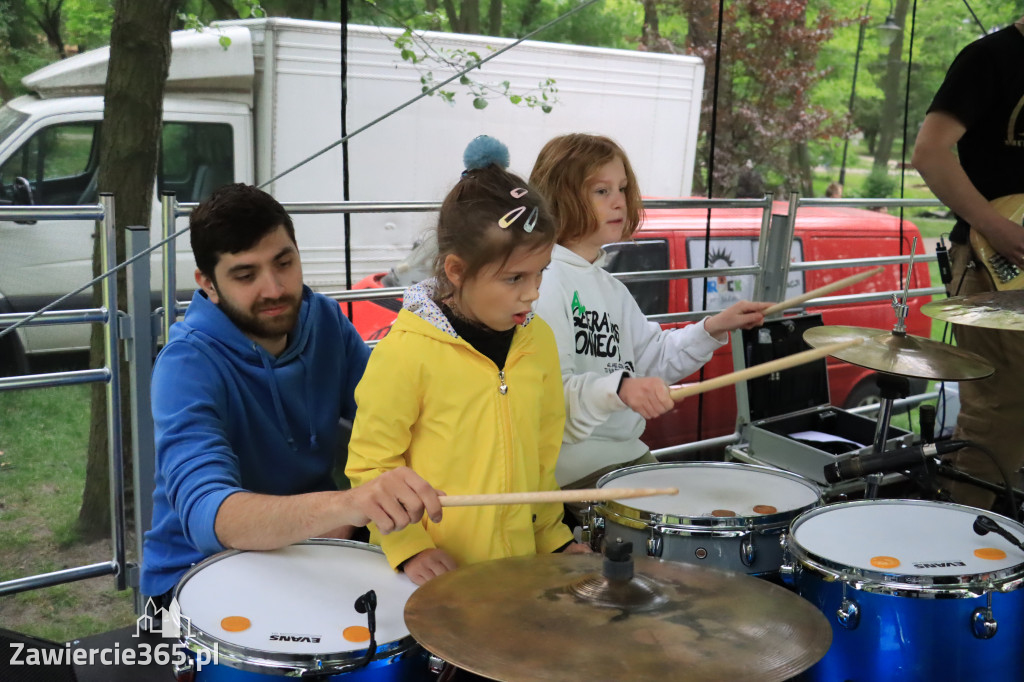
(601,332)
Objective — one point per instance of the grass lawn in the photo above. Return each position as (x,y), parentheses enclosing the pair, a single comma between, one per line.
(43,443)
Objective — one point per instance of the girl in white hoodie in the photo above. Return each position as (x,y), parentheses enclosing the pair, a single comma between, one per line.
(616,365)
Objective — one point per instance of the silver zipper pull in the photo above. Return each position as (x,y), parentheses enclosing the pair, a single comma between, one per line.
(503,389)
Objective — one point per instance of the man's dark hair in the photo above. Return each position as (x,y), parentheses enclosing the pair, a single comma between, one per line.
(233,219)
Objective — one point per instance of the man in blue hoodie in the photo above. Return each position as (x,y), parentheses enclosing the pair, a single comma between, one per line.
(247,395)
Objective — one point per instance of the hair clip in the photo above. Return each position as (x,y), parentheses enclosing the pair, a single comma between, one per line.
(518,192)
(513,215)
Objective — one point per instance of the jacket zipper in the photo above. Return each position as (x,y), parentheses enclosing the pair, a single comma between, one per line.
(503,387)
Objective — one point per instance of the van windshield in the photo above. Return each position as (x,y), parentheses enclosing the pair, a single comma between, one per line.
(9,122)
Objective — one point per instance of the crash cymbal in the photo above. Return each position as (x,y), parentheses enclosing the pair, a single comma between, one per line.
(529,618)
(993,309)
(906,355)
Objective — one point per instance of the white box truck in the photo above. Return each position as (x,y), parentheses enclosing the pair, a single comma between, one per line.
(273,98)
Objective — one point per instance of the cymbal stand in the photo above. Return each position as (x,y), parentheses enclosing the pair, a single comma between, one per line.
(891,386)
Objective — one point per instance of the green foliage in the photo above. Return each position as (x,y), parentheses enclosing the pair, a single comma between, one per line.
(879,184)
(426,56)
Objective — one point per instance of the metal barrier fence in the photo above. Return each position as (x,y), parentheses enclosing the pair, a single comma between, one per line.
(143,327)
(103,213)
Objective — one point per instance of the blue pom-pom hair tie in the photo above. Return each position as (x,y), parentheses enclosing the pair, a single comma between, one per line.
(484,151)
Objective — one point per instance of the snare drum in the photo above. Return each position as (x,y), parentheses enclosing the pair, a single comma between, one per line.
(912,592)
(291,611)
(726,515)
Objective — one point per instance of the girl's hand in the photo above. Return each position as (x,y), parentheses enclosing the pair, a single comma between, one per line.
(578,548)
(740,315)
(647,396)
(429,564)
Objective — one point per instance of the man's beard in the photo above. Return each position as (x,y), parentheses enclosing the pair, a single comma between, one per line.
(262,328)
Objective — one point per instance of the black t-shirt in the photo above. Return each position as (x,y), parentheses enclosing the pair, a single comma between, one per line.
(984,90)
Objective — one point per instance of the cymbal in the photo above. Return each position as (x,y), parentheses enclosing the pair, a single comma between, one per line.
(993,309)
(906,355)
(519,619)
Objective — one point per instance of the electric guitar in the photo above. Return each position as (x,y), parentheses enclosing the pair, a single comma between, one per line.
(1005,275)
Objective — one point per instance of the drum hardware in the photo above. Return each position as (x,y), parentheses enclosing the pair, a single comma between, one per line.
(655,546)
(747,550)
(367,603)
(848,613)
(592,530)
(618,586)
(984,525)
(983,624)
(668,621)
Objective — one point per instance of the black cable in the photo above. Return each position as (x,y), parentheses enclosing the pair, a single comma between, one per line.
(1008,487)
(906,123)
(984,30)
(346,216)
(711,183)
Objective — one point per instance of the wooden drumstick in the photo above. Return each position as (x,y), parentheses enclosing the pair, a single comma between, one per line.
(585,495)
(821,291)
(678,394)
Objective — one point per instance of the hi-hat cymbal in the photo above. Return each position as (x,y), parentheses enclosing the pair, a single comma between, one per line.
(519,619)
(903,354)
(993,309)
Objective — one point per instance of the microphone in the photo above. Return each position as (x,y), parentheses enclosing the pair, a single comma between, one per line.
(984,525)
(889,460)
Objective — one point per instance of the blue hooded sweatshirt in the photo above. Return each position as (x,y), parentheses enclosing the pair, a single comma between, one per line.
(230,417)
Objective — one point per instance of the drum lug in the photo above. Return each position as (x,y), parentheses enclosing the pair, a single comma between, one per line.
(788,567)
(435,664)
(655,545)
(183,671)
(747,550)
(983,623)
(593,532)
(848,614)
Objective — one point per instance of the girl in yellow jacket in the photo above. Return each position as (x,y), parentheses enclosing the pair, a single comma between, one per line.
(466,388)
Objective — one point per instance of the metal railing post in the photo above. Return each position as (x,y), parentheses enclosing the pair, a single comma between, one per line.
(168,209)
(108,258)
(140,347)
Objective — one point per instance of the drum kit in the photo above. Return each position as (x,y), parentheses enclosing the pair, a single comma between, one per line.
(743,574)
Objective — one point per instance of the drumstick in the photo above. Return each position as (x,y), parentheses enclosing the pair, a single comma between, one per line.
(678,394)
(585,495)
(821,291)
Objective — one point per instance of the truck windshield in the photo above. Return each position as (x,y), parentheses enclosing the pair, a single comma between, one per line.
(9,122)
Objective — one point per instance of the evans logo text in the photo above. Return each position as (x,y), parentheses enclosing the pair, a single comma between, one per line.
(939,564)
(277,637)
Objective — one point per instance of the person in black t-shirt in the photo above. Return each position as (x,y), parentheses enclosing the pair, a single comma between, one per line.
(979,109)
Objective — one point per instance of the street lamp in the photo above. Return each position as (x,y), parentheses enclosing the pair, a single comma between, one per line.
(887,33)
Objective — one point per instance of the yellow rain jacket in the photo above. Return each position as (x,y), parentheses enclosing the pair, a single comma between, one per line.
(430,401)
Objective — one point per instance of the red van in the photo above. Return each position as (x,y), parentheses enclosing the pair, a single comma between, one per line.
(674,239)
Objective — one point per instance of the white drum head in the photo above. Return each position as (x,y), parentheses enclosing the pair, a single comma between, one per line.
(299,599)
(705,488)
(907,537)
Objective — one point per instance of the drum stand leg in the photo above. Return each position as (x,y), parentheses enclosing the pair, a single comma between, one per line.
(890,388)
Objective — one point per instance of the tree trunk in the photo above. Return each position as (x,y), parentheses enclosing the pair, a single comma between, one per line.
(494,17)
(892,107)
(470,16)
(140,54)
